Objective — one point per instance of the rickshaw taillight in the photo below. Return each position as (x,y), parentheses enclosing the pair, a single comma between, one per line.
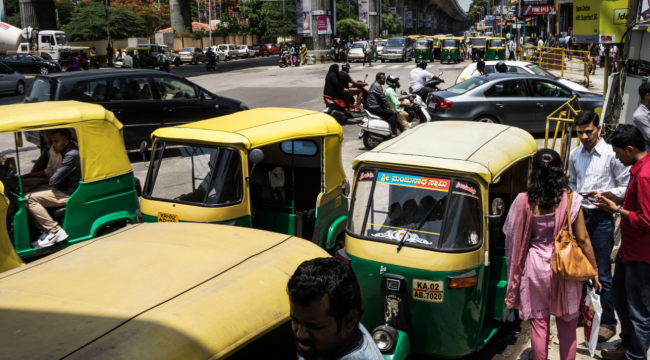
(462,281)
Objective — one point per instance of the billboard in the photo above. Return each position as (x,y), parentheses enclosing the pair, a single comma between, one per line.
(488,20)
(324,25)
(363,12)
(408,19)
(3,12)
(539,10)
(599,21)
(428,21)
(538,3)
(420,19)
(392,10)
(303,10)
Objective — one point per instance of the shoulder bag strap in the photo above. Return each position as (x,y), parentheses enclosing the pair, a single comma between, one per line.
(568,212)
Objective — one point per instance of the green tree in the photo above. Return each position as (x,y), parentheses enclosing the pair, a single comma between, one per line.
(14,19)
(88,22)
(474,13)
(279,20)
(351,27)
(342,9)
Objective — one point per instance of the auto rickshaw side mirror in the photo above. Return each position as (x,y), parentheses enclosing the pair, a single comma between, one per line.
(345,189)
(256,156)
(144,147)
(498,208)
(440,73)
(404,92)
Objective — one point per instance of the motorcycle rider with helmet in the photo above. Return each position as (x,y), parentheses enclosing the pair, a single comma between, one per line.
(501,67)
(345,80)
(211,57)
(378,103)
(419,78)
(395,102)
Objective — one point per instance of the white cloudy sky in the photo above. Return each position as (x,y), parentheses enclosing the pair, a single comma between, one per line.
(464,4)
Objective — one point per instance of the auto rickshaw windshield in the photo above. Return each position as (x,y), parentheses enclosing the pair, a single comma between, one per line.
(478,42)
(422,43)
(434,213)
(203,175)
(450,43)
(496,43)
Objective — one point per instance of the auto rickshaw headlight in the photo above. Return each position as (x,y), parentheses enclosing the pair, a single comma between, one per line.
(384,337)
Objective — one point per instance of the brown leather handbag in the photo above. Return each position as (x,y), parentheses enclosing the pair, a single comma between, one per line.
(569,262)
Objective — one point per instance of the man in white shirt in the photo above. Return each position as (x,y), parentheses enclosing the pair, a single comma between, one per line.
(128,61)
(366,54)
(419,77)
(594,169)
(512,48)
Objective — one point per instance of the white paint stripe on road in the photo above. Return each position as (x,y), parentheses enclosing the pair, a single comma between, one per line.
(378,66)
(394,66)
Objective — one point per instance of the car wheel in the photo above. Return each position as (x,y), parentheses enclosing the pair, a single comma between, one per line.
(369,142)
(487,119)
(43,70)
(382,60)
(20,88)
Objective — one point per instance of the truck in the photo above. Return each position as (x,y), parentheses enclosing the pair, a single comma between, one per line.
(50,44)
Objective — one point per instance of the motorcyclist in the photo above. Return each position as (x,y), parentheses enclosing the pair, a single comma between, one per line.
(501,67)
(292,53)
(378,103)
(419,78)
(395,101)
(345,80)
(211,57)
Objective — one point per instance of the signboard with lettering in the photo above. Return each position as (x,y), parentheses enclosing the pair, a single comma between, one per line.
(599,21)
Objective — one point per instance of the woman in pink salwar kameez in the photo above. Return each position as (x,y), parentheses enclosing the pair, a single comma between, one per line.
(533,223)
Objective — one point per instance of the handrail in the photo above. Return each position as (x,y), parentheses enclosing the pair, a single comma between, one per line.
(564,115)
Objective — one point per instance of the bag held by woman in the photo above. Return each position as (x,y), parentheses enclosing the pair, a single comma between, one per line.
(569,262)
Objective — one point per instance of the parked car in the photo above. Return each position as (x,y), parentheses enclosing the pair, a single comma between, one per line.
(356,52)
(170,56)
(274,49)
(518,67)
(11,80)
(26,63)
(522,100)
(221,55)
(245,52)
(261,50)
(192,55)
(143,100)
(398,48)
(230,51)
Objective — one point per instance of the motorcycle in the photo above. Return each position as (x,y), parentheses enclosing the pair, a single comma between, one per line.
(336,107)
(285,60)
(211,65)
(375,130)
(162,66)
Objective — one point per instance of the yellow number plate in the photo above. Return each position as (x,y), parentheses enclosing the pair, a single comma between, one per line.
(164,217)
(425,290)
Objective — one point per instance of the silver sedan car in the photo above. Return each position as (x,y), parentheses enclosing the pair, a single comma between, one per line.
(11,80)
(522,100)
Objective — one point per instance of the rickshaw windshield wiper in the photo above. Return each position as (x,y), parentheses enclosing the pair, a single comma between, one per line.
(401,242)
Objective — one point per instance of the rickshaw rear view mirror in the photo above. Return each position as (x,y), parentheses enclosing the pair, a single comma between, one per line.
(498,208)
(345,188)
(144,147)
(256,156)
(440,73)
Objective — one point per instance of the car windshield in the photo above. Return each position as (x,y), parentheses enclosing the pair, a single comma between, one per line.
(436,42)
(422,43)
(380,43)
(37,58)
(449,43)
(478,42)
(223,48)
(395,42)
(42,89)
(186,49)
(428,212)
(357,45)
(241,47)
(194,174)
(466,85)
(496,43)
(61,39)
(539,71)
(256,47)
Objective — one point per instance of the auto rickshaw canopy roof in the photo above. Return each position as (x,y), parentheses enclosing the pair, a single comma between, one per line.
(152,291)
(462,146)
(259,127)
(98,133)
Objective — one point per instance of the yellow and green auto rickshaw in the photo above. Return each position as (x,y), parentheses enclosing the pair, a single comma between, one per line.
(463,48)
(423,49)
(478,48)
(437,47)
(496,49)
(107,196)
(156,291)
(451,50)
(270,168)
(428,252)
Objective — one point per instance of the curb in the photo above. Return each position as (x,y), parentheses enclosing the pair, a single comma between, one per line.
(323,59)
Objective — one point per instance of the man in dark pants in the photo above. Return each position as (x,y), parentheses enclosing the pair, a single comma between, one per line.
(378,103)
(631,284)
(593,169)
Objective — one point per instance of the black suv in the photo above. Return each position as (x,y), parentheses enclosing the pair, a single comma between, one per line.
(143,100)
(398,48)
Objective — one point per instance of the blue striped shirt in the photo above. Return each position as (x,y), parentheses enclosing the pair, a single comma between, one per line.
(598,170)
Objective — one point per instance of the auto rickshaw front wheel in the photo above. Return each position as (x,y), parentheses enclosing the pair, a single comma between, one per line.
(338,245)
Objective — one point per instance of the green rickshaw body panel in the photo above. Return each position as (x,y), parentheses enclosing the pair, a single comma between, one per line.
(92,206)
(327,214)
(450,54)
(402,348)
(448,329)
(495,54)
(422,53)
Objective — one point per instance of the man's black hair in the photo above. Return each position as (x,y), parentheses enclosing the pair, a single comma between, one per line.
(587,117)
(644,89)
(316,278)
(480,64)
(379,75)
(627,135)
(64,133)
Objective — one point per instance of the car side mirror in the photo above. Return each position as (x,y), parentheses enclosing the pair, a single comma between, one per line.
(144,147)
(404,92)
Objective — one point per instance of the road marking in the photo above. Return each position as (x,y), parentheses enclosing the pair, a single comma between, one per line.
(378,66)
(394,66)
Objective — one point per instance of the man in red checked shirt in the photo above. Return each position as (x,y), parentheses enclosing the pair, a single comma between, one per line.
(631,282)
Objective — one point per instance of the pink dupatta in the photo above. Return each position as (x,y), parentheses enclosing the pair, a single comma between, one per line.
(565,294)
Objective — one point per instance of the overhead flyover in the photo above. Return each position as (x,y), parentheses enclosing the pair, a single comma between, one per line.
(448,14)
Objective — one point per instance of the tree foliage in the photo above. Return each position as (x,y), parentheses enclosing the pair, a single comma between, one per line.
(342,9)
(474,13)
(88,22)
(278,21)
(154,18)
(351,27)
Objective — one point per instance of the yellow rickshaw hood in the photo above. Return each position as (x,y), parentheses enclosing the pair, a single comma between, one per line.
(462,146)
(99,133)
(151,291)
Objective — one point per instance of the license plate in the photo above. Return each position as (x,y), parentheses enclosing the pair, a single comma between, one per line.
(425,290)
(164,217)
(360,134)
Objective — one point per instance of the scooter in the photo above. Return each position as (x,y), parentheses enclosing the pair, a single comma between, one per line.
(336,107)
(375,130)
(210,65)
(285,60)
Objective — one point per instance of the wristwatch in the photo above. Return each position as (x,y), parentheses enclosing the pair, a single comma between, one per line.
(618,211)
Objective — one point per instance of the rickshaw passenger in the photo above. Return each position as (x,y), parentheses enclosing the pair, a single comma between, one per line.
(53,159)
(63,182)
(325,309)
